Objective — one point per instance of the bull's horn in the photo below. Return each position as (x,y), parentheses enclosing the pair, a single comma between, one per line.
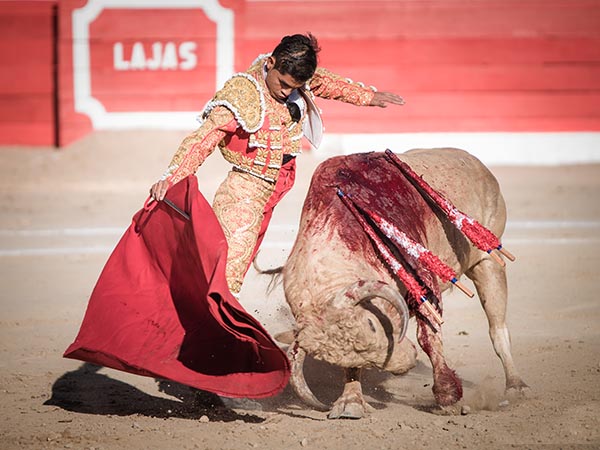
(363,291)
(296,356)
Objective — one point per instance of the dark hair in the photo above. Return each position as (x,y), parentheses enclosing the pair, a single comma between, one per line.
(296,55)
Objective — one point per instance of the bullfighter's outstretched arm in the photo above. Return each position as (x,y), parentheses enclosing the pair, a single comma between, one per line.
(328,85)
(195,148)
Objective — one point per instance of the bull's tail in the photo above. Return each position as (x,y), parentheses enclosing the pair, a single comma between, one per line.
(275,274)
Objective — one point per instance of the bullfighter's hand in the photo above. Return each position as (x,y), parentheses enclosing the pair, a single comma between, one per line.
(159,190)
(382,99)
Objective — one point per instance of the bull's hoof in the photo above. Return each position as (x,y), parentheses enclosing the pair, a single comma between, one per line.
(447,387)
(350,410)
(446,399)
(517,390)
(450,410)
(447,394)
(351,404)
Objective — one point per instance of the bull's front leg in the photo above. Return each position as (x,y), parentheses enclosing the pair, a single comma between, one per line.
(351,404)
(447,388)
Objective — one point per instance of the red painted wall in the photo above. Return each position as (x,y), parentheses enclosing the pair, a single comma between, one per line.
(141,60)
(462,65)
(26,76)
(71,125)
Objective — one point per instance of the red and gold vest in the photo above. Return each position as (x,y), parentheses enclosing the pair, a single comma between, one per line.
(266,130)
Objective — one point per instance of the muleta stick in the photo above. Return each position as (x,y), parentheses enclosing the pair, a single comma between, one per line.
(412,285)
(150,204)
(479,235)
(178,210)
(420,253)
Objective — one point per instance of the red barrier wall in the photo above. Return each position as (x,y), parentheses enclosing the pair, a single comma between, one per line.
(27,82)
(462,65)
(72,125)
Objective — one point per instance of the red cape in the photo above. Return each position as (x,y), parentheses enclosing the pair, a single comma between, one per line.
(162,308)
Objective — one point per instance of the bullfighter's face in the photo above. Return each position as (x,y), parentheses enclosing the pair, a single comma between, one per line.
(280,85)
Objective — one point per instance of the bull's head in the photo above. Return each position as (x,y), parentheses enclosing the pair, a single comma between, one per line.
(363,326)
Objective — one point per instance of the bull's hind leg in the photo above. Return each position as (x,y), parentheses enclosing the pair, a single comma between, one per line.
(447,388)
(490,281)
(351,404)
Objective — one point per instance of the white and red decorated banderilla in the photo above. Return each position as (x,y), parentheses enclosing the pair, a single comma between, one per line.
(417,251)
(479,235)
(412,285)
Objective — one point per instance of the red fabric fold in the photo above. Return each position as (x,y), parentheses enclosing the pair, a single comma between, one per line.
(162,308)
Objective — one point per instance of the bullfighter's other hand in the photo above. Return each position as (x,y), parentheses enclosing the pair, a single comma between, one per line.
(159,189)
(382,99)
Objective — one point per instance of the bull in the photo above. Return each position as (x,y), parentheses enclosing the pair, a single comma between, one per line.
(350,309)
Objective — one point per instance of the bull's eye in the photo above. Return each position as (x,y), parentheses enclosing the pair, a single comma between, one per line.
(371,325)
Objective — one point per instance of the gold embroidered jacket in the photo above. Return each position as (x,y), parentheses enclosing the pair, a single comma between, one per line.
(252,129)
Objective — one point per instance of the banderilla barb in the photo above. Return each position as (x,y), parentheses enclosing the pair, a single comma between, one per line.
(417,251)
(412,285)
(479,235)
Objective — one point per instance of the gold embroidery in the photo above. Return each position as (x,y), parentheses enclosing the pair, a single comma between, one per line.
(267,145)
(272,132)
(239,204)
(262,137)
(197,146)
(242,95)
(277,139)
(272,173)
(276,157)
(261,157)
(328,85)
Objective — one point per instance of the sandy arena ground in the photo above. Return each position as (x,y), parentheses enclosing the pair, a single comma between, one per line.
(63,212)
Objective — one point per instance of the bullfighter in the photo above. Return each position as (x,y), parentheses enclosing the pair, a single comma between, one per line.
(258,120)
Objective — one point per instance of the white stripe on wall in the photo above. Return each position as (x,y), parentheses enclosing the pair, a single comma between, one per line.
(490,148)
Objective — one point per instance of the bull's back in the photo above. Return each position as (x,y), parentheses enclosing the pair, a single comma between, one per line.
(464,180)
(332,245)
(374,181)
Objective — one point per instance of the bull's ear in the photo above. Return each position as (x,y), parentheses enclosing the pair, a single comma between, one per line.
(286,337)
